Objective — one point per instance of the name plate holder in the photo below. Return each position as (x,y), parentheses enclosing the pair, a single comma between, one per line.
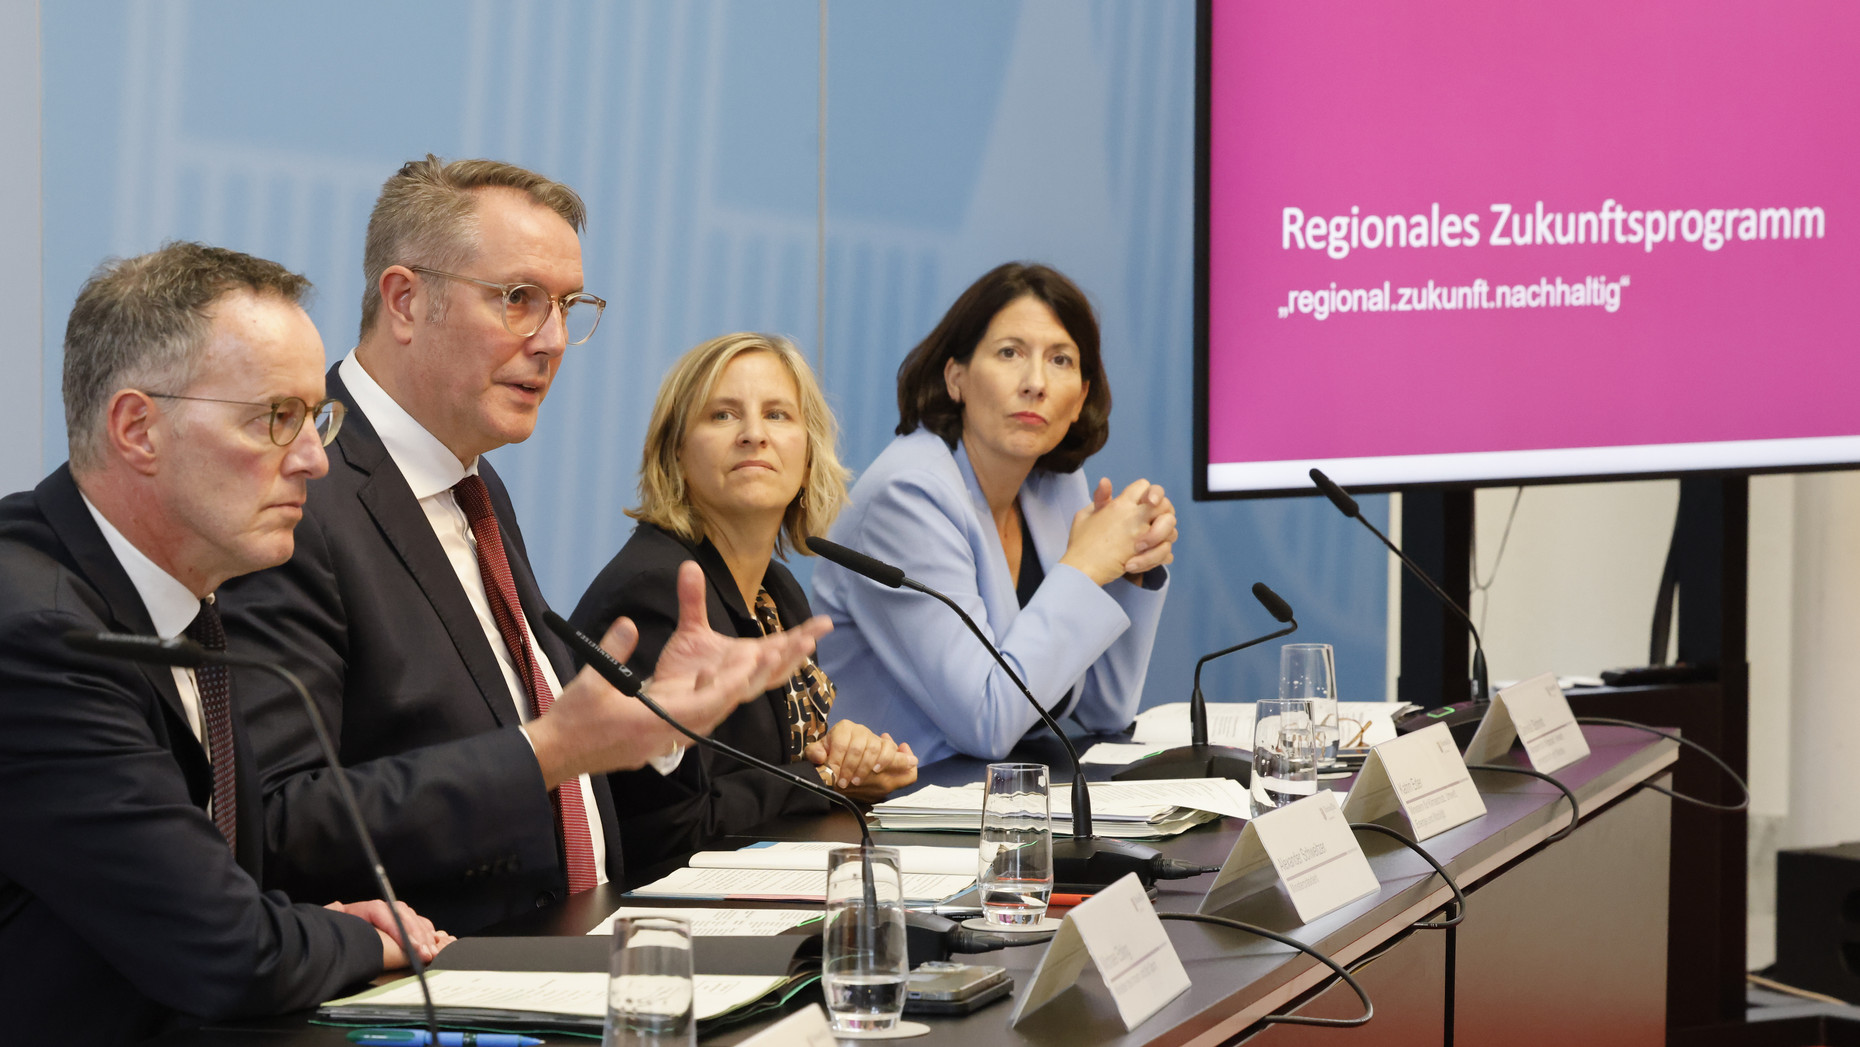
(1535,712)
(1305,847)
(1116,931)
(1421,778)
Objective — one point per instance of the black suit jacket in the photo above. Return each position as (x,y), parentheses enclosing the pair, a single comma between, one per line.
(122,911)
(371,614)
(662,816)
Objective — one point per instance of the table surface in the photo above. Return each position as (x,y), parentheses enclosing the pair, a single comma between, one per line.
(1236,979)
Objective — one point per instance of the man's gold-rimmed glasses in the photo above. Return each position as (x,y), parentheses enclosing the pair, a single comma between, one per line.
(287,415)
(527,307)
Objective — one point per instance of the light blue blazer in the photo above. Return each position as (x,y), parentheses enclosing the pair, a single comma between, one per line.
(901,662)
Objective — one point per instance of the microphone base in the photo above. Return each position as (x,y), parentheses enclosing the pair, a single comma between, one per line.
(1095,861)
(1462,720)
(1192,761)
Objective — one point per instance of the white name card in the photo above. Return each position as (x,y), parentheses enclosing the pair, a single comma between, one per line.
(1117,931)
(1535,712)
(1422,777)
(1308,847)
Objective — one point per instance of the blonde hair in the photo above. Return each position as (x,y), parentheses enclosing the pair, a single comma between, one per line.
(665,498)
(427,214)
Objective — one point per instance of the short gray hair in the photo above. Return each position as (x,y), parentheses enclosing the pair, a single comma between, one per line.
(142,323)
(427,215)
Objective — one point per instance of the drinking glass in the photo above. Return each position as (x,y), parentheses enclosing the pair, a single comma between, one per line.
(649,991)
(863,965)
(1284,753)
(1309,670)
(1015,863)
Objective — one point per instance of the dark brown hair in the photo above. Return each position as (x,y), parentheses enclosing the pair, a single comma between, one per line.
(923,398)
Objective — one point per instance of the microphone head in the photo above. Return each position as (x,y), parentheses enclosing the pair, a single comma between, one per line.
(858,563)
(179,652)
(1338,497)
(1273,602)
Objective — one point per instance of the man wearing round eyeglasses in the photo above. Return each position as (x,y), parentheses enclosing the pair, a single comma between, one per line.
(131,825)
(478,753)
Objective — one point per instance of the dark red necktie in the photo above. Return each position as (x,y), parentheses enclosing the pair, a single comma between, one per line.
(214,682)
(501,589)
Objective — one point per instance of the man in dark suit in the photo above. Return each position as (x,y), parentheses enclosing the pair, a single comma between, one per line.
(409,607)
(130,821)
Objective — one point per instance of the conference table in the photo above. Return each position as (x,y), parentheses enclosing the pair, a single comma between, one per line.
(1562,942)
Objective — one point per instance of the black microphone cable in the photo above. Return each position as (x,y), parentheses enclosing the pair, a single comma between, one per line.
(1369,1009)
(1744,787)
(1575,809)
(1459,896)
(184,653)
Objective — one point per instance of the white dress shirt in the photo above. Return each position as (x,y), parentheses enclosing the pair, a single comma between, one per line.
(172,608)
(432,470)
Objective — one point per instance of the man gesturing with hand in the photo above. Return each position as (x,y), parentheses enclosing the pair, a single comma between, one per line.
(410,609)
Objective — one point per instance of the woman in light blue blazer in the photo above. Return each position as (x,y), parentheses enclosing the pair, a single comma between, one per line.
(981,497)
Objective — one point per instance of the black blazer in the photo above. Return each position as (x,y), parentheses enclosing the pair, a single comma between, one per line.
(122,911)
(371,614)
(664,816)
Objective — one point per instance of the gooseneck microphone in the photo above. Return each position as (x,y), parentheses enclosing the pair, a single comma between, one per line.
(183,653)
(627,682)
(1198,759)
(1347,505)
(1083,860)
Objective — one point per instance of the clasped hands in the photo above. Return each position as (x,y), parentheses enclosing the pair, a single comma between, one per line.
(1125,535)
(861,764)
(701,677)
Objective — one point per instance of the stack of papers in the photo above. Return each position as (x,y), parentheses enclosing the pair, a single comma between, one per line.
(1364,724)
(575,1000)
(1126,810)
(798,871)
(720,923)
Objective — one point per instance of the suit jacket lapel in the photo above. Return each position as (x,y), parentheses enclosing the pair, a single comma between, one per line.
(64,509)
(390,502)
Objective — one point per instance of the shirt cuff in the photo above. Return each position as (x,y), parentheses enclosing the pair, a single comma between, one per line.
(668,763)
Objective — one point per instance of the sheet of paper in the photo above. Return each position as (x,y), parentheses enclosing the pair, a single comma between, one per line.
(1117,754)
(581,994)
(1360,724)
(807,1027)
(1129,800)
(721,923)
(1118,929)
(1535,712)
(777,884)
(1218,795)
(812,854)
(1421,773)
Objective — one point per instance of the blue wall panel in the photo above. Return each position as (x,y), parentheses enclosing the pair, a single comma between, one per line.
(958,135)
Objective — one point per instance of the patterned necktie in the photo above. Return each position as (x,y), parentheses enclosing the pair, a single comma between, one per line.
(214,682)
(810,692)
(501,589)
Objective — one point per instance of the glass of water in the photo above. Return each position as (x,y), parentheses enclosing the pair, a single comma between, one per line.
(1284,753)
(1015,864)
(863,965)
(649,991)
(1309,670)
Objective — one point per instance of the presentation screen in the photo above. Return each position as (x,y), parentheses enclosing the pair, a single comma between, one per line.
(1472,242)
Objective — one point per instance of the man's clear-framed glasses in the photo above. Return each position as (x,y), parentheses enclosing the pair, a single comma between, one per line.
(528,307)
(287,415)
